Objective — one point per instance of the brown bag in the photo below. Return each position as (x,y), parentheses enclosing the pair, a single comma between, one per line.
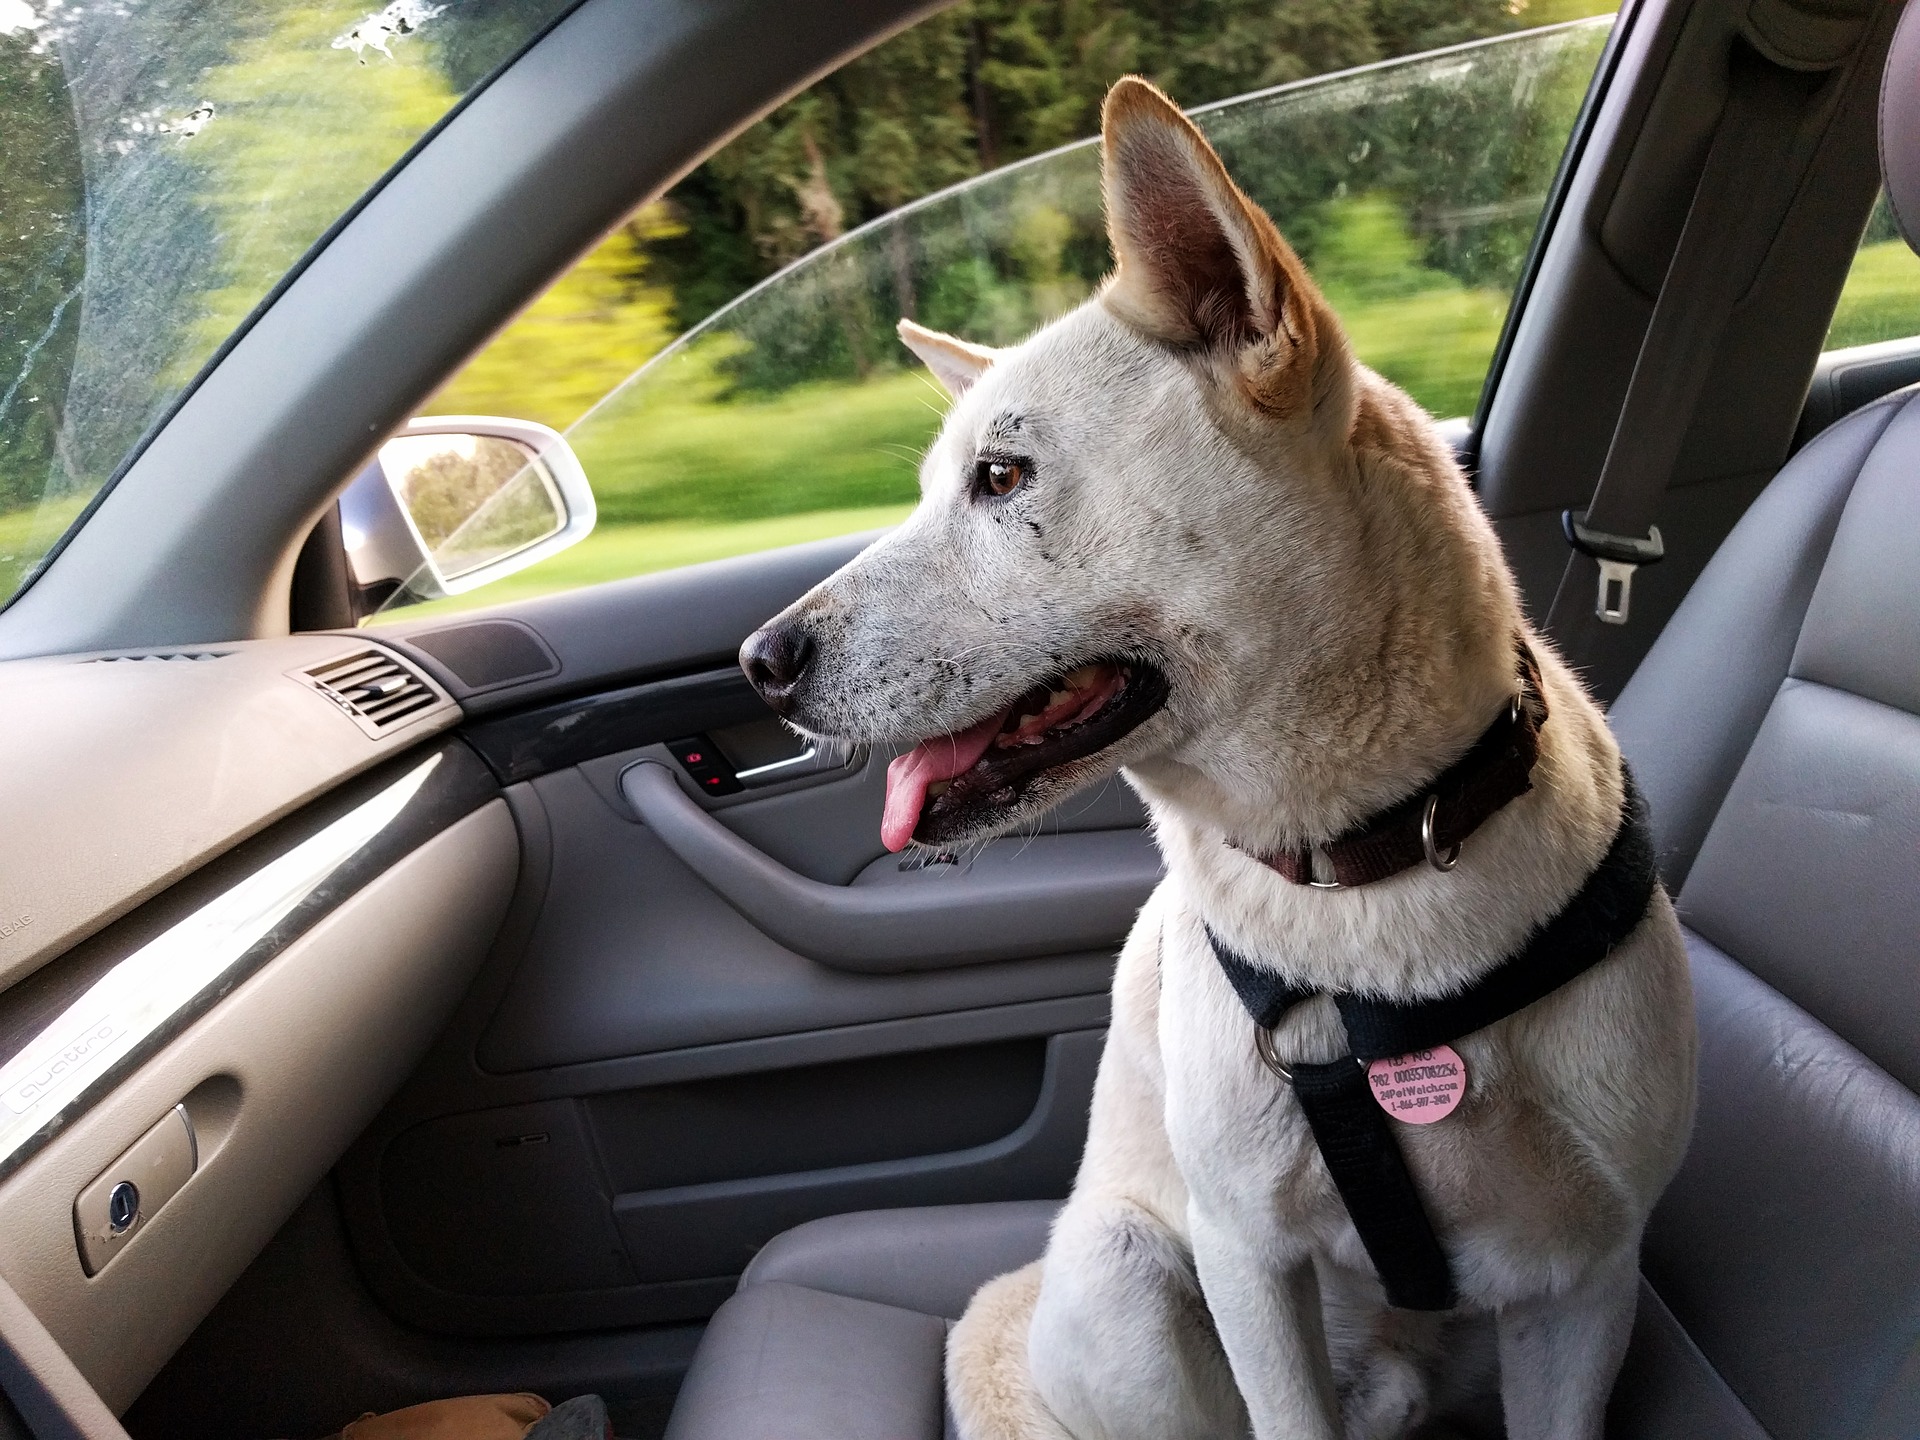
(471,1417)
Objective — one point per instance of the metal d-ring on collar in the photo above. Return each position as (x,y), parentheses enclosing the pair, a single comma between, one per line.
(1446,862)
(1313,884)
(1438,861)
(1495,769)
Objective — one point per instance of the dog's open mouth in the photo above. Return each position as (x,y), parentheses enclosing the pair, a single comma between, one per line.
(946,785)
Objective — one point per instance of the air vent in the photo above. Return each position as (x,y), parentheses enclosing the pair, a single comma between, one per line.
(161,655)
(375,688)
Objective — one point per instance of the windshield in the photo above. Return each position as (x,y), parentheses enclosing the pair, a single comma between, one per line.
(164,164)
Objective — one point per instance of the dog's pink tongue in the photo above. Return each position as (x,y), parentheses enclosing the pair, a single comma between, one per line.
(908,777)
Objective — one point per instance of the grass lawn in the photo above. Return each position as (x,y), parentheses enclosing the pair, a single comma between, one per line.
(1436,344)
(614,552)
(1881,300)
(666,449)
(26,535)
(676,448)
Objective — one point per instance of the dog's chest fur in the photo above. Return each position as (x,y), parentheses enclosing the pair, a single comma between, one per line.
(1539,1162)
(1492,1175)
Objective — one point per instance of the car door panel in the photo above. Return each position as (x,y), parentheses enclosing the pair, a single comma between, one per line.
(600,638)
(633,955)
(1006,899)
(715,1227)
(712,1016)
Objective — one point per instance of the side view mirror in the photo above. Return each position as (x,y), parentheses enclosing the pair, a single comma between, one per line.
(454,502)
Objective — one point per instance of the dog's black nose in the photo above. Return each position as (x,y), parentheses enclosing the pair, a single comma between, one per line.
(775,658)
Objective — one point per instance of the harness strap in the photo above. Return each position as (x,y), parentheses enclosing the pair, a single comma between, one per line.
(1354,1135)
(1608,906)
(1371,1175)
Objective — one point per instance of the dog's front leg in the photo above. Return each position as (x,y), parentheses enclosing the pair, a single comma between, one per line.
(1560,1354)
(1269,1320)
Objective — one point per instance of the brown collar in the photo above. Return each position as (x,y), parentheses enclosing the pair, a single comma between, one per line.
(1430,824)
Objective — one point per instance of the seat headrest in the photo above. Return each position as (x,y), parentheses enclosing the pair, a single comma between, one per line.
(1900,125)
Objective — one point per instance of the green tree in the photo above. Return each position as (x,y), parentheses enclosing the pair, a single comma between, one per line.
(592,328)
(992,81)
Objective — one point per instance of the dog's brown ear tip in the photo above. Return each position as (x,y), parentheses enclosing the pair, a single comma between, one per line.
(1133,97)
(907,330)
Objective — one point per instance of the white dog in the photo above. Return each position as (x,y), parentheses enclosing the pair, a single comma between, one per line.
(1183,531)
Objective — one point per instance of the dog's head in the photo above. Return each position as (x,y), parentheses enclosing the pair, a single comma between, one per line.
(1142,538)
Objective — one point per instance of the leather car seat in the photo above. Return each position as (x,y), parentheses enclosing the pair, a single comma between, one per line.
(1775,727)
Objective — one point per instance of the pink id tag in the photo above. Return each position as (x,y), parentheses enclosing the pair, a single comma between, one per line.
(1422,1087)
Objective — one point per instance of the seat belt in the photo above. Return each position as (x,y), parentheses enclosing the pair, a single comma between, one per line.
(1711,267)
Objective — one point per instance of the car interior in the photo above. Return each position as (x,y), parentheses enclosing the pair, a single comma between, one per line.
(503,1000)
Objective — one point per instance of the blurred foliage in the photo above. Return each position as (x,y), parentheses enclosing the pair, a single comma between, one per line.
(613,552)
(1419,326)
(1412,192)
(590,330)
(299,132)
(29,532)
(687,443)
(445,480)
(520,513)
(988,82)
(42,262)
(162,166)
(1882,297)
(473,498)
(825,445)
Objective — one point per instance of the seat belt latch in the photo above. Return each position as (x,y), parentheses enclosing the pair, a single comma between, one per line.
(1618,556)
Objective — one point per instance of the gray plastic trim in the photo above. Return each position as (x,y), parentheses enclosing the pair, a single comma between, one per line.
(714,1229)
(809,1047)
(1848,380)
(1047,895)
(1550,417)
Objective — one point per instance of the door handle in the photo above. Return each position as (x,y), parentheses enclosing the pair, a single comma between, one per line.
(1044,895)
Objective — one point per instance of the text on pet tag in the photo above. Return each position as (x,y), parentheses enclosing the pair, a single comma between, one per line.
(1420,1087)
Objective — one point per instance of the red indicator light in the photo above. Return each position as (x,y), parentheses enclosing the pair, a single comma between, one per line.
(694,757)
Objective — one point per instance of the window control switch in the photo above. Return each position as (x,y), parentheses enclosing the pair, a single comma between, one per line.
(709,769)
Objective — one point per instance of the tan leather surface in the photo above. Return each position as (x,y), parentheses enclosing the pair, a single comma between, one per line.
(470,1417)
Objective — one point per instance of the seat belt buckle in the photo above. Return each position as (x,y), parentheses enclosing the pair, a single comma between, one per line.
(1618,557)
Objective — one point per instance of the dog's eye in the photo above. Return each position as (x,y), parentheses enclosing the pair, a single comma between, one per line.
(998,477)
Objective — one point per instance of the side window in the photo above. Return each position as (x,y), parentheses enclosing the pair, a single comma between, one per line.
(717,412)
(1881,299)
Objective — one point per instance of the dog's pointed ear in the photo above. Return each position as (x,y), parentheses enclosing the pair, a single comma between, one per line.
(1198,264)
(955,363)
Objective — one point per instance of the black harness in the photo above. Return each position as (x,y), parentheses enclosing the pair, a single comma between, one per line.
(1354,1134)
